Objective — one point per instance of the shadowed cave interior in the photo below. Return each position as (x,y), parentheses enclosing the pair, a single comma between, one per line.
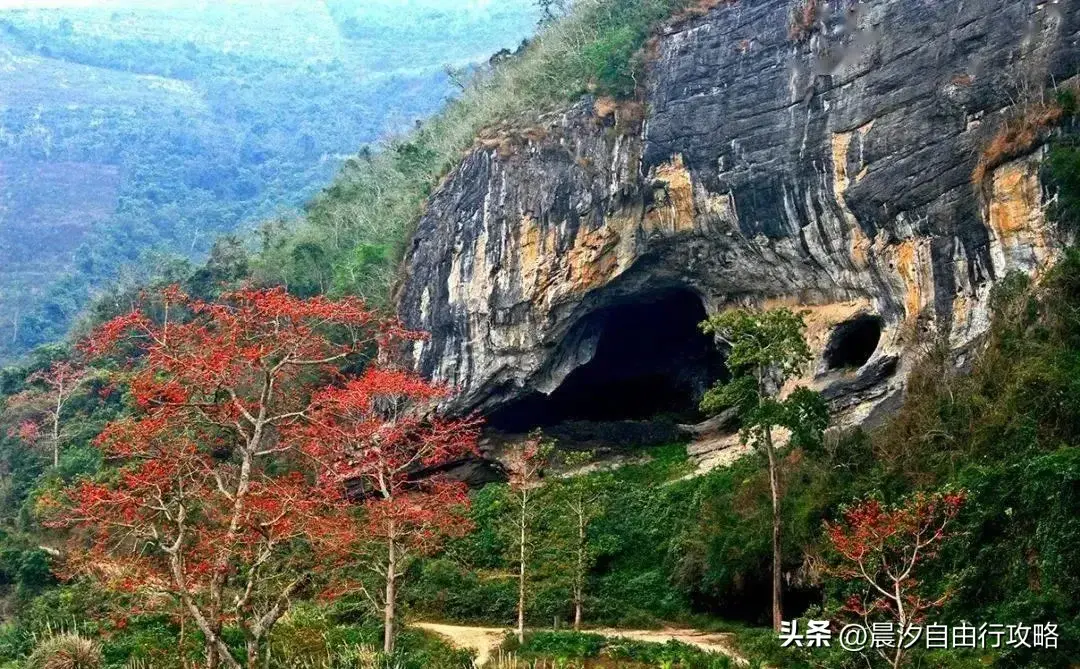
(651,359)
(853,342)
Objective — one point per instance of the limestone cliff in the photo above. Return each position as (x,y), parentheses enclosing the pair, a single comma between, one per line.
(827,164)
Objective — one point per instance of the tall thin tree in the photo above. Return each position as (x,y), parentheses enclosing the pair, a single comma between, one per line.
(583,497)
(526,466)
(764,350)
(62,379)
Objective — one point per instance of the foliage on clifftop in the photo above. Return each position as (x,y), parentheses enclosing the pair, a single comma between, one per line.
(356,230)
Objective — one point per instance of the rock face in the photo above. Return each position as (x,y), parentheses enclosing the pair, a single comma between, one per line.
(825,164)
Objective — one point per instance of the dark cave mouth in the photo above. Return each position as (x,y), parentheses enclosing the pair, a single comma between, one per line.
(853,342)
(651,361)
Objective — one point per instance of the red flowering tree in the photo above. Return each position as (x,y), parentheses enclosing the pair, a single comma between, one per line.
(44,405)
(881,549)
(211,510)
(378,436)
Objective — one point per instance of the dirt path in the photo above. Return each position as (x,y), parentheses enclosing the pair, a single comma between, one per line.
(485,640)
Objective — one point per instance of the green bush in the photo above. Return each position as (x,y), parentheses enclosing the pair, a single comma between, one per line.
(447,590)
(310,635)
(15,642)
(24,568)
(632,584)
(313,636)
(560,644)
(672,653)
(422,650)
(149,639)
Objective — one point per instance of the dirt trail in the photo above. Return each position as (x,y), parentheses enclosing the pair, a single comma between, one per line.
(485,640)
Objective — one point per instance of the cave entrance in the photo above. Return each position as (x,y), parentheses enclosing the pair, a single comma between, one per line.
(651,359)
(853,342)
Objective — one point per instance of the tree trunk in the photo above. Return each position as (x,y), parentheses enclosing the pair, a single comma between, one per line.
(252,653)
(183,644)
(391,595)
(902,626)
(774,486)
(183,639)
(579,576)
(56,427)
(521,571)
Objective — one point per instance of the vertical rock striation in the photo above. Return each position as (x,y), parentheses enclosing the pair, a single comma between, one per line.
(825,163)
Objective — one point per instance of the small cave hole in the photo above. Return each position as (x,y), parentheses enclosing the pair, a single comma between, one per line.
(651,360)
(853,342)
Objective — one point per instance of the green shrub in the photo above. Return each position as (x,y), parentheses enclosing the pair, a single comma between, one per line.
(672,653)
(15,642)
(560,644)
(149,639)
(447,590)
(1062,171)
(418,649)
(309,635)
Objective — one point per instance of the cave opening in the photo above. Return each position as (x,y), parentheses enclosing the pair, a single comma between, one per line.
(853,342)
(651,360)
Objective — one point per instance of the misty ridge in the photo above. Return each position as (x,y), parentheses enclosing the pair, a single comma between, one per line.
(135,133)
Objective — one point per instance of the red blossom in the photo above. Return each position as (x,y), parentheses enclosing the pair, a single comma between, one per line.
(216,485)
(882,547)
(380,440)
(28,431)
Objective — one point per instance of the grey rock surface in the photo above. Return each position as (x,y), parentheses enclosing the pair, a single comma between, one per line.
(829,168)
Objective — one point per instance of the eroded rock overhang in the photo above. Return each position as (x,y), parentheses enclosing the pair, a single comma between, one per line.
(831,172)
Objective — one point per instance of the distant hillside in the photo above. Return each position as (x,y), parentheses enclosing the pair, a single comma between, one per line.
(133,127)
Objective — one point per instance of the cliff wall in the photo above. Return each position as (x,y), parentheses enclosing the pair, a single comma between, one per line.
(819,157)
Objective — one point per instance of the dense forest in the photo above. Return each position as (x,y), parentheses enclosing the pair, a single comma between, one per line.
(133,137)
(186,387)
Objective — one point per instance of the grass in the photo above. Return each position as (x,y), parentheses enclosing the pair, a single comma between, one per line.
(355,232)
(66,651)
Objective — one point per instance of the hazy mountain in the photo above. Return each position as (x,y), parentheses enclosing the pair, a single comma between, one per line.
(135,125)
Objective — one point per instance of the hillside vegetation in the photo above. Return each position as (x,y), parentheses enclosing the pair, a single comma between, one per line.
(355,230)
(696,550)
(132,135)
